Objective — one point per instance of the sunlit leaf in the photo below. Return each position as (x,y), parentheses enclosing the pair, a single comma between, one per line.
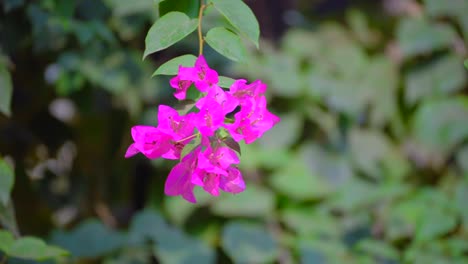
(226,43)
(171,67)
(168,30)
(240,16)
(246,243)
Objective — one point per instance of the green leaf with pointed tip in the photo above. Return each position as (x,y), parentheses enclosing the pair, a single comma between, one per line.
(225,82)
(168,30)
(230,143)
(226,43)
(248,243)
(7,179)
(6,91)
(171,67)
(34,248)
(240,16)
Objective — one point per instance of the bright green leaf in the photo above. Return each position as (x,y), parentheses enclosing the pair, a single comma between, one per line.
(225,82)
(241,204)
(171,67)
(226,43)
(6,91)
(34,248)
(246,243)
(168,30)
(6,241)
(7,179)
(240,16)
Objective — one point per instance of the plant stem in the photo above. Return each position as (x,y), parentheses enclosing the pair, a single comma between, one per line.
(200,18)
(189,137)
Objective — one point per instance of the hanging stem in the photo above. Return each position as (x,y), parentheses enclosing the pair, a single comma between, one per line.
(200,18)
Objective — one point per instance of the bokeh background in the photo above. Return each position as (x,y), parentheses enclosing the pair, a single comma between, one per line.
(369,163)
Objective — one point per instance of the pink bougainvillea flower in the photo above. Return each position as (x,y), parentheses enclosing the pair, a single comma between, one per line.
(180,86)
(217,94)
(171,123)
(243,91)
(201,74)
(252,121)
(214,167)
(151,142)
(179,180)
(209,119)
(233,182)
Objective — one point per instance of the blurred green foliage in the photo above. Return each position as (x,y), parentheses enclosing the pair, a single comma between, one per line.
(369,163)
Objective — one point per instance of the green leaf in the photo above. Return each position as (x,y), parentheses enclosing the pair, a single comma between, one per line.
(225,82)
(6,90)
(435,79)
(378,249)
(297,182)
(434,223)
(441,124)
(248,243)
(230,143)
(34,248)
(6,240)
(147,224)
(240,16)
(466,64)
(241,204)
(7,179)
(418,36)
(171,67)
(176,247)
(190,147)
(168,30)
(90,239)
(226,43)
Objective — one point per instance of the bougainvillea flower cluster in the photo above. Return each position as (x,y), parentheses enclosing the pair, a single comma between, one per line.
(199,138)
